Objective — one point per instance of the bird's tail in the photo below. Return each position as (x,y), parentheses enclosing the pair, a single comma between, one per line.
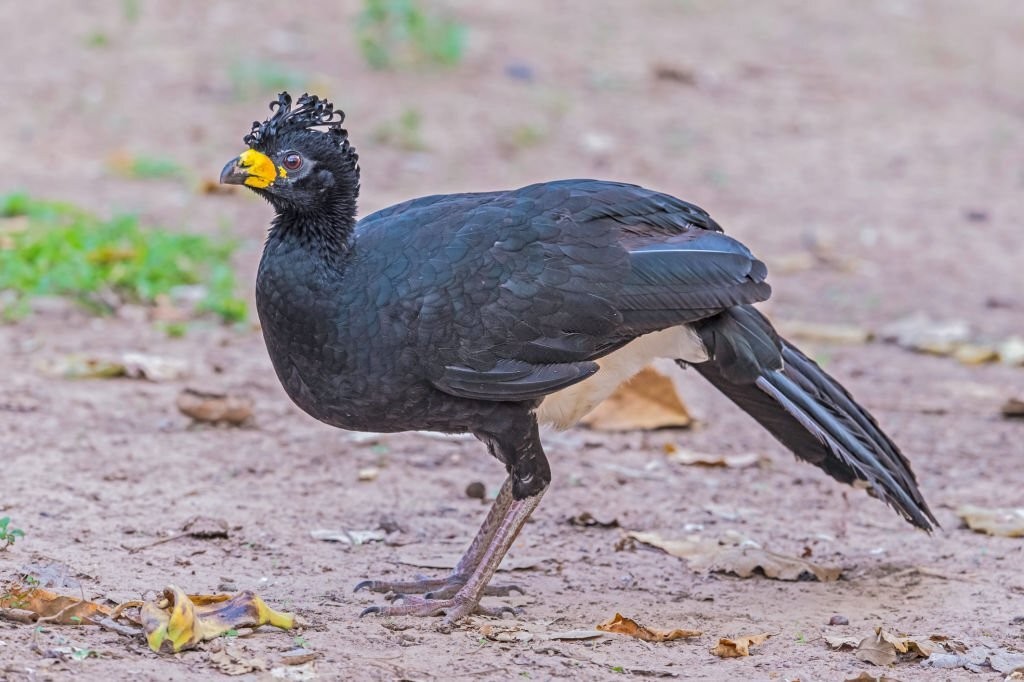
(806,409)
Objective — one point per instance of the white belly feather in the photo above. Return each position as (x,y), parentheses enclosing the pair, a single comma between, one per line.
(568,406)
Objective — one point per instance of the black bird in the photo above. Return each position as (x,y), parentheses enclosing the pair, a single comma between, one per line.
(491,312)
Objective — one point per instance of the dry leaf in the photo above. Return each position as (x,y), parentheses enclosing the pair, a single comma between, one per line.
(154,367)
(975,353)
(740,461)
(50,606)
(1003,522)
(179,621)
(1013,407)
(348,537)
(647,401)
(232,661)
(748,561)
(839,643)
(738,646)
(920,333)
(626,626)
(1011,351)
(684,548)
(826,333)
(211,407)
(876,650)
(84,367)
(587,520)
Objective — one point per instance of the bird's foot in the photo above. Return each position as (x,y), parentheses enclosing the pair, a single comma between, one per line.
(432,588)
(457,607)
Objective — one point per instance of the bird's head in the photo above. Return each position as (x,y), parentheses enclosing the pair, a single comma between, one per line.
(299,159)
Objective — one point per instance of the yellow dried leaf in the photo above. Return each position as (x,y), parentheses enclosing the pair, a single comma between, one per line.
(50,605)
(738,646)
(647,401)
(627,626)
(1004,522)
(740,461)
(748,561)
(180,621)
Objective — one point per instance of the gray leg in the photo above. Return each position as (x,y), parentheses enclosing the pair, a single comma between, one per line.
(442,588)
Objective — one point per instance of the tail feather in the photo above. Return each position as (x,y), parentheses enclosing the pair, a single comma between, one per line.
(811,413)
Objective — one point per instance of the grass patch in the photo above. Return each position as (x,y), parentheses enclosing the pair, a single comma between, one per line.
(405,133)
(145,167)
(253,77)
(8,535)
(402,33)
(54,249)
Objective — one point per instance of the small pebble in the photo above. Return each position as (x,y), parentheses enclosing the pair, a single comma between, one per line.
(476,490)
(838,620)
(1017,620)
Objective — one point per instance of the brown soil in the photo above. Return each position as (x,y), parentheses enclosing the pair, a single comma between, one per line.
(886,134)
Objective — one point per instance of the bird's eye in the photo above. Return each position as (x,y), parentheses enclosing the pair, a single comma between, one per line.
(292,161)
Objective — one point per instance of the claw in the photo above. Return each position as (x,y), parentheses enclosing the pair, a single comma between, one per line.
(365,585)
(371,609)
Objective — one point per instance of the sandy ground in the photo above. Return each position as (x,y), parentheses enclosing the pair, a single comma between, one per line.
(886,135)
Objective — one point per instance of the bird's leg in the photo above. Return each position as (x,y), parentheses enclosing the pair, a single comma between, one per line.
(529,475)
(442,588)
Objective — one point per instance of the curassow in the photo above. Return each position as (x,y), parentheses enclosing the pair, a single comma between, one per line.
(491,312)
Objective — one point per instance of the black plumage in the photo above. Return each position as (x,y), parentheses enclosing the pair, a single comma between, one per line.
(465,312)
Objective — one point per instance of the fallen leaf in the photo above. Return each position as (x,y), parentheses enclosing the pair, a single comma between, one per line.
(674,73)
(205,528)
(975,353)
(178,621)
(348,537)
(738,646)
(232,661)
(825,333)
(1013,408)
(367,474)
(497,633)
(875,650)
(647,401)
(212,407)
(627,626)
(1007,523)
(865,676)
(50,606)
(747,561)
(1011,351)
(740,461)
(921,333)
(684,548)
(84,367)
(154,367)
(839,643)
(587,520)
(300,656)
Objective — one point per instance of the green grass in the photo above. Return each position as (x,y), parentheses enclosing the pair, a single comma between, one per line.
(7,534)
(144,167)
(54,249)
(257,77)
(395,33)
(405,133)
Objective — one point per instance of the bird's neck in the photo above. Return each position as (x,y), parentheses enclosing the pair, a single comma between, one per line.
(325,232)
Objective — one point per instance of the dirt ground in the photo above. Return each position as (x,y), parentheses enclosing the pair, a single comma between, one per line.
(888,135)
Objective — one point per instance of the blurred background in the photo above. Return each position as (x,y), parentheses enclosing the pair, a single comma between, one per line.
(871,153)
(888,131)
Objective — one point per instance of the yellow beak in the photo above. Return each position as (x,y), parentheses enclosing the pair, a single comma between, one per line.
(251,168)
